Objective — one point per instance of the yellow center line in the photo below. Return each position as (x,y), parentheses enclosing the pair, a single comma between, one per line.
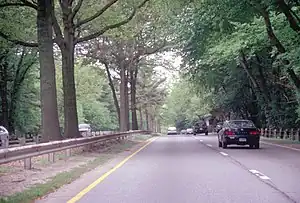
(99,180)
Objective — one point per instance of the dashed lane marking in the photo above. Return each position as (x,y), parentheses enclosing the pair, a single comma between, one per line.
(259,174)
(209,145)
(223,153)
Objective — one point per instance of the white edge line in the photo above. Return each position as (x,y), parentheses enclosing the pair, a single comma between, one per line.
(277,145)
(209,145)
(223,153)
(259,174)
(201,140)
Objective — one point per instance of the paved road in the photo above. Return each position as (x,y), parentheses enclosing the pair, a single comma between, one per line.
(193,169)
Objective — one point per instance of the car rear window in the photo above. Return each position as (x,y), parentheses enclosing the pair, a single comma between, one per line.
(241,124)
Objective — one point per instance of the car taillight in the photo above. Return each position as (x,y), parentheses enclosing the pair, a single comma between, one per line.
(254,132)
(229,132)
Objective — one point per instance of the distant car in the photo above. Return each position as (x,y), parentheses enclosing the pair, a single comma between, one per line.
(183,132)
(200,127)
(85,129)
(219,126)
(239,132)
(189,131)
(172,131)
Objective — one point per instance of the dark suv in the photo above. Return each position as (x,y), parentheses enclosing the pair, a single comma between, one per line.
(200,127)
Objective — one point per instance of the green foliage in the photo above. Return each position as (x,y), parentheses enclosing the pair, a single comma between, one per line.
(217,35)
(183,106)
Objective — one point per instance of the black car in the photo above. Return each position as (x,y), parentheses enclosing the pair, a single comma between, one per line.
(239,132)
(200,127)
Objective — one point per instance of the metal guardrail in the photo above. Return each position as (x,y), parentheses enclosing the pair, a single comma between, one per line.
(285,134)
(27,152)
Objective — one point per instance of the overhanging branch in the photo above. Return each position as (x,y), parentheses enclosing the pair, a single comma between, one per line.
(19,42)
(25,3)
(110,27)
(76,9)
(96,15)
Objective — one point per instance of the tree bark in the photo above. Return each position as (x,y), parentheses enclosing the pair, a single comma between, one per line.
(113,90)
(141,119)
(272,37)
(4,94)
(127,100)
(123,118)
(284,8)
(50,122)
(133,76)
(147,119)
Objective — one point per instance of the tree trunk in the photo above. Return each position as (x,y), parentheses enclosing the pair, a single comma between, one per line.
(284,8)
(127,101)
(50,122)
(272,37)
(147,119)
(133,75)
(113,90)
(4,94)
(141,119)
(123,119)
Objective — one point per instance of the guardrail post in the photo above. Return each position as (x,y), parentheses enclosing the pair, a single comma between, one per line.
(27,163)
(297,138)
(22,141)
(280,132)
(275,133)
(51,157)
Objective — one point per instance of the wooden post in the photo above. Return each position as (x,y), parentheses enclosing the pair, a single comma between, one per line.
(297,137)
(280,133)
(27,164)
(68,153)
(51,157)
(292,134)
(275,133)
(285,134)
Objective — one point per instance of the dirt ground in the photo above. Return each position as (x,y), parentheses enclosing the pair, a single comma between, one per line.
(14,178)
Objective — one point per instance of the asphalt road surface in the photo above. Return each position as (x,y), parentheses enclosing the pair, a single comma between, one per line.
(193,169)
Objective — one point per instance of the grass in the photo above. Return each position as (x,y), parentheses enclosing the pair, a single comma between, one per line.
(4,169)
(41,189)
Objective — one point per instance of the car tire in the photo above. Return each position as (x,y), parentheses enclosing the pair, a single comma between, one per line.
(195,134)
(256,146)
(206,133)
(251,146)
(220,144)
(224,145)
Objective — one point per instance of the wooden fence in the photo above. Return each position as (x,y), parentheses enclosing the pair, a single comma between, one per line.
(287,134)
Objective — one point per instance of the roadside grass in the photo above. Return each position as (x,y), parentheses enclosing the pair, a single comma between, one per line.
(280,141)
(63,178)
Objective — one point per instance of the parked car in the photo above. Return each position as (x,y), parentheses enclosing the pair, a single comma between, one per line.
(172,131)
(239,132)
(219,126)
(189,131)
(183,131)
(200,127)
(85,129)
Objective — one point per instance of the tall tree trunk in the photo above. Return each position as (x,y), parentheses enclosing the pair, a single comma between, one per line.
(147,119)
(127,100)
(133,75)
(4,94)
(284,8)
(50,122)
(113,90)
(141,119)
(123,119)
